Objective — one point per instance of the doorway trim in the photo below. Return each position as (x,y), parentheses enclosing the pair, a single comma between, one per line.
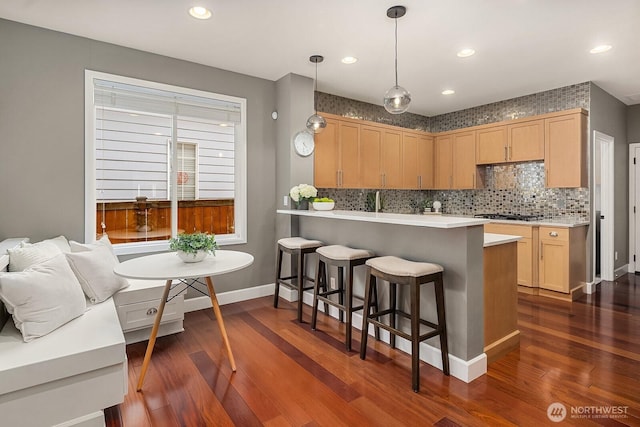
(605,144)
(632,201)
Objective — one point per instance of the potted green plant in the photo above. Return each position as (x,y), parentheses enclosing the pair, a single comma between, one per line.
(194,247)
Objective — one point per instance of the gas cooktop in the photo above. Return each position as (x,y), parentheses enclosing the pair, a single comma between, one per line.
(512,217)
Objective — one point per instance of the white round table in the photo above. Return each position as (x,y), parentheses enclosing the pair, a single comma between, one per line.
(168,267)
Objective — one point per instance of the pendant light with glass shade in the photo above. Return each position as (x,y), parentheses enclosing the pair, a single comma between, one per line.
(316,123)
(397,99)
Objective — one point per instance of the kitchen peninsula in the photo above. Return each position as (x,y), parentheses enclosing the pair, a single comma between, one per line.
(456,243)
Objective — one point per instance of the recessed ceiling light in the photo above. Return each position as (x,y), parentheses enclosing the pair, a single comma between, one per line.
(602,48)
(466,52)
(349,60)
(448,92)
(200,12)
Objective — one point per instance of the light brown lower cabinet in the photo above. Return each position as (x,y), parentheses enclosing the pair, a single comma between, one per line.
(562,263)
(551,260)
(527,250)
(501,333)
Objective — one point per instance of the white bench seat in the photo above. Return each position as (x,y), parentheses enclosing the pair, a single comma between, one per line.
(66,377)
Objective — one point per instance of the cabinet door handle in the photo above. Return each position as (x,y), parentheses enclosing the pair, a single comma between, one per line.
(553,233)
(152,311)
(509,152)
(341,178)
(541,251)
(505,152)
(337,178)
(419,181)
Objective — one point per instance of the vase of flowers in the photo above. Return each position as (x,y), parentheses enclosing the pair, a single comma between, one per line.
(301,195)
(194,247)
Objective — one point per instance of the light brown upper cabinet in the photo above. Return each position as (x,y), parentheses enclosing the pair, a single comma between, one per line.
(391,155)
(565,151)
(491,145)
(417,161)
(326,158)
(455,160)
(464,160)
(517,142)
(353,153)
(380,157)
(443,162)
(336,155)
(525,141)
(370,143)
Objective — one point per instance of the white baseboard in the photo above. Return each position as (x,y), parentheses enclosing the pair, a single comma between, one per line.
(95,419)
(465,370)
(592,287)
(229,297)
(621,271)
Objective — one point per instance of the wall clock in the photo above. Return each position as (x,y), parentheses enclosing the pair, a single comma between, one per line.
(303,143)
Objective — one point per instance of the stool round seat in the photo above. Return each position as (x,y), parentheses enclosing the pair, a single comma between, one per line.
(343,253)
(401,267)
(299,243)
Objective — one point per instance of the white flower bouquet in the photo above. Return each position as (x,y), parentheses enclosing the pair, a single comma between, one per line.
(303,192)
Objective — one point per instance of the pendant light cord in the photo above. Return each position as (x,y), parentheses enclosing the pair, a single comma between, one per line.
(315,89)
(396,63)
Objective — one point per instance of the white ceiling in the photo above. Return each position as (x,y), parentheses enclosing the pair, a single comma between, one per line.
(523,46)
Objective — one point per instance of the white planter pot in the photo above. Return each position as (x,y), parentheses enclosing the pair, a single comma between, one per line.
(192,257)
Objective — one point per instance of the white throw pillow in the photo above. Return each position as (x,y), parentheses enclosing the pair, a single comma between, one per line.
(84,247)
(61,242)
(43,297)
(24,257)
(94,270)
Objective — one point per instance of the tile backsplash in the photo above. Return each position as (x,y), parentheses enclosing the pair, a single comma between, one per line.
(513,188)
(353,109)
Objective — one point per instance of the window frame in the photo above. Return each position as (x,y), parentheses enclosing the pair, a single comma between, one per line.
(240,166)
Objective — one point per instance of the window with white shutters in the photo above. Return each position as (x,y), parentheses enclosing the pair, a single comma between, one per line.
(162,160)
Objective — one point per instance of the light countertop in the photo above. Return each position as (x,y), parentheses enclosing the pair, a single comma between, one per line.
(433,221)
(556,222)
(492,239)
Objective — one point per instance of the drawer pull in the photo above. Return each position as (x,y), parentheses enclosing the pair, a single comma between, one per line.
(553,234)
(152,311)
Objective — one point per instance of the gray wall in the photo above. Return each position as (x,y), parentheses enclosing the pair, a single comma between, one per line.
(609,115)
(42,135)
(295,105)
(633,123)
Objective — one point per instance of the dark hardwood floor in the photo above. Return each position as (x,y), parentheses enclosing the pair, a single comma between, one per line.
(584,355)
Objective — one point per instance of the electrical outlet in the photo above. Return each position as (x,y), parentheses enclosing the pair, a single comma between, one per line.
(332,283)
(615,255)
(285,201)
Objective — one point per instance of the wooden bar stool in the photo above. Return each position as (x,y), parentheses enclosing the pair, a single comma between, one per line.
(345,259)
(299,247)
(414,274)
